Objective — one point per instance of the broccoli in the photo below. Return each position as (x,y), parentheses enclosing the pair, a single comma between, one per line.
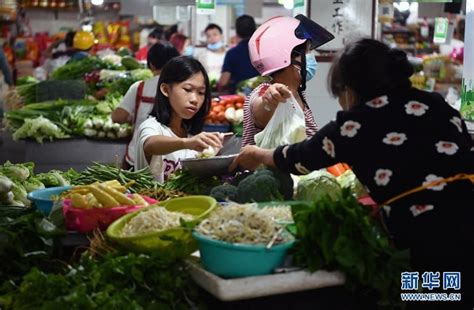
(258,187)
(225,192)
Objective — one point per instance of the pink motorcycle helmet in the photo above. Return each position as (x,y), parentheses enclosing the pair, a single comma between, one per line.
(271,45)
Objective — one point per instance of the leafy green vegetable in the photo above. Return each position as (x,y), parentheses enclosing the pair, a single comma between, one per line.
(27,92)
(39,128)
(184,181)
(75,70)
(53,178)
(112,282)
(17,172)
(141,74)
(5,184)
(339,234)
(26,80)
(33,184)
(142,179)
(349,180)
(25,243)
(316,184)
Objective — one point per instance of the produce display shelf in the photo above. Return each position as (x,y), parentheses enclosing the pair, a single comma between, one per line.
(260,286)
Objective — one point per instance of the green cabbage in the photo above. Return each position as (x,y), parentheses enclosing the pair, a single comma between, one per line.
(19,172)
(52,178)
(33,184)
(316,184)
(349,180)
(39,128)
(20,194)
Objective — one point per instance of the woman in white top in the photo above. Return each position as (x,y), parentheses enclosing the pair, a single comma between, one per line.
(139,100)
(212,57)
(174,129)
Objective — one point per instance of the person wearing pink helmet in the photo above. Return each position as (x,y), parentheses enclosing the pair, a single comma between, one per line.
(279,49)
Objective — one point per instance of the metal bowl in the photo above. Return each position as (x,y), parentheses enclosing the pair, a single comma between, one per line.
(218,165)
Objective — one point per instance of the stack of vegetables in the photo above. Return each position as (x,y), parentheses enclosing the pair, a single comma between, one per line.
(62,119)
(17,180)
(226,110)
(107,78)
(107,194)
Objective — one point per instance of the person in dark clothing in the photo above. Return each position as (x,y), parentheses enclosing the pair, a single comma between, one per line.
(397,138)
(237,65)
(7,73)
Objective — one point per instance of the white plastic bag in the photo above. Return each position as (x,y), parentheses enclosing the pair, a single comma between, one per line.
(286,126)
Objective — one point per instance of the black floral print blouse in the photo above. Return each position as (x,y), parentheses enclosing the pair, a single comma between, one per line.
(393,144)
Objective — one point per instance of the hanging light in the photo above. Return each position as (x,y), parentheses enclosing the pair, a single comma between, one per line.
(97,2)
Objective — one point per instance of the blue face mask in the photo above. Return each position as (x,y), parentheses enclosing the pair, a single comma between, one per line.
(188,51)
(215,46)
(311,66)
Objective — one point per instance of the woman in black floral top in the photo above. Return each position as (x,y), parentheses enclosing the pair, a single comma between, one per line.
(396,138)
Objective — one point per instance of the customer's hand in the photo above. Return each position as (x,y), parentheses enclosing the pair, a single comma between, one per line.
(204,140)
(275,94)
(251,157)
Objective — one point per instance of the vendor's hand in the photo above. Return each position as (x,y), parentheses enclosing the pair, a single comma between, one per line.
(275,94)
(203,140)
(251,157)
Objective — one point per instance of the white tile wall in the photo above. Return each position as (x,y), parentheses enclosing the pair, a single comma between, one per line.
(323,105)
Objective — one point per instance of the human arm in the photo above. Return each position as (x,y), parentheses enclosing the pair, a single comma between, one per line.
(224,80)
(300,158)
(125,112)
(162,145)
(121,116)
(263,106)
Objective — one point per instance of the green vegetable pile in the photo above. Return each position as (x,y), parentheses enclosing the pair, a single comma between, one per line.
(184,181)
(17,180)
(35,276)
(112,282)
(75,70)
(27,240)
(316,184)
(65,118)
(261,186)
(140,180)
(339,234)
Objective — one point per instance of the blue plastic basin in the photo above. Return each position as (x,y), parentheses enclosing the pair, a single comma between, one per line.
(230,260)
(42,198)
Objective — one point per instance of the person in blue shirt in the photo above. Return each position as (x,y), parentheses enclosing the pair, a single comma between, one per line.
(237,66)
(7,74)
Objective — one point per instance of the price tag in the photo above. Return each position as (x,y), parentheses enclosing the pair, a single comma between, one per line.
(205,7)
(440,30)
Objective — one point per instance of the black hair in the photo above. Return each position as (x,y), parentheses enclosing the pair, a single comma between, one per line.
(170,31)
(178,70)
(156,33)
(245,26)
(69,39)
(159,54)
(213,26)
(460,29)
(369,68)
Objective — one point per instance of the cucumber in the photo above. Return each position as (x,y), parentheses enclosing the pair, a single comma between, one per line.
(130,63)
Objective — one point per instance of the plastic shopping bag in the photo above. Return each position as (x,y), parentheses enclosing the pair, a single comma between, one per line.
(286,126)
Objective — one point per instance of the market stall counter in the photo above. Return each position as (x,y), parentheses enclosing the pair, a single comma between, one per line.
(61,154)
